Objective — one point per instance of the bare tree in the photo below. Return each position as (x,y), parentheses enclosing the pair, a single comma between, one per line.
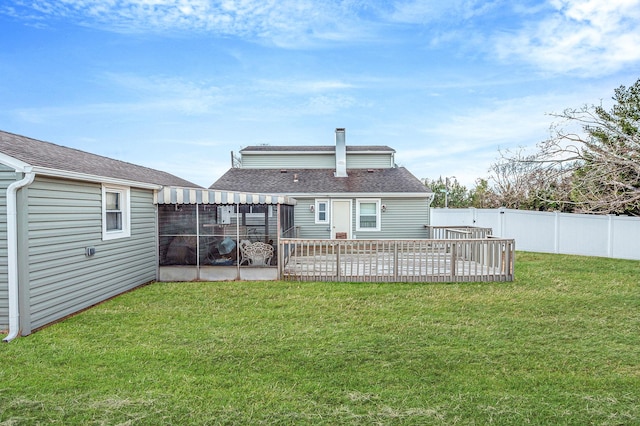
(605,158)
(525,181)
(591,163)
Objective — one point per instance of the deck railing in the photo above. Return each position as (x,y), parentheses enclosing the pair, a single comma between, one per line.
(457,232)
(446,260)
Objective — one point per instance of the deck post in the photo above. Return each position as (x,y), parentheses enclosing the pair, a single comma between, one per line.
(338,262)
(454,249)
(395,261)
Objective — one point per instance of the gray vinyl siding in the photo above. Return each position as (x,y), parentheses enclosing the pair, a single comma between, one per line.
(403,218)
(64,218)
(305,220)
(369,161)
(7,176)
(291,161)
(315,161)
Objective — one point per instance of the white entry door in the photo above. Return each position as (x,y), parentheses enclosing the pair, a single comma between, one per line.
(341,218)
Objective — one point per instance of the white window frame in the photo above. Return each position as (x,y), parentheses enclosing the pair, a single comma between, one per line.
(326,211)
(377,202)
(125,210)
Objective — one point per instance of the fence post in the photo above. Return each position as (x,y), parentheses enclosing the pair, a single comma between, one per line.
(610,236)
(556,232)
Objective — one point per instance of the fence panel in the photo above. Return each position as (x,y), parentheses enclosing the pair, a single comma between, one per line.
(552,232)
(624,240)
(533,230)
(583,234)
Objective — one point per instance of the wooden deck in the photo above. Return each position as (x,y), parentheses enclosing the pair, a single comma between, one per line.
(447,260)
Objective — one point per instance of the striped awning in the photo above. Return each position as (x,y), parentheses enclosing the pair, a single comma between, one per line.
(177,195)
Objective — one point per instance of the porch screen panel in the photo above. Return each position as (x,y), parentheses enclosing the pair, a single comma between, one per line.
(217,235)
(177,234)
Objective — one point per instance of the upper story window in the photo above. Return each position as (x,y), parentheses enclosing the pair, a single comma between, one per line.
(322,211)
(368,215)
(116,220)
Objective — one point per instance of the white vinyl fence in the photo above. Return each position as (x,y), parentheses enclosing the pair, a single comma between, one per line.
(553,232)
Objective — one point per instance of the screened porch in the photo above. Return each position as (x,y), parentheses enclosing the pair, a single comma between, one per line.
(215,235)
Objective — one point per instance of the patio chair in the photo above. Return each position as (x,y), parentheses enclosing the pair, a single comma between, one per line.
(255,254)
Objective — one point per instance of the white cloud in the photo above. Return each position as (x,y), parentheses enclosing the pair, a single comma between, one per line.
(298,86)
(581,37)
(466,144)
(324,104)
(138,95)
(421,11)
(289,23)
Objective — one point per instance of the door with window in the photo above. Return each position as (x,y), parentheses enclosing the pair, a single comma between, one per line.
(341,219)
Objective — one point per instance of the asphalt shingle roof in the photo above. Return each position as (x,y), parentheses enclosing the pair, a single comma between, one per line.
(48,155)
(319,181)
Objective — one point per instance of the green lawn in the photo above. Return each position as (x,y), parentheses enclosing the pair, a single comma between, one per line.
(560,345)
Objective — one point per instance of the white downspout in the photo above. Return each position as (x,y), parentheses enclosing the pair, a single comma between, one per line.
(12,253)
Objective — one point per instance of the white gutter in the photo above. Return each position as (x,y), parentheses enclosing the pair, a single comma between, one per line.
(21,166)
(12,253)
(296,195)
(93,178)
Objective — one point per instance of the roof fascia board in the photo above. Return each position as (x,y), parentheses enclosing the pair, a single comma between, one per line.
(369,152)
(349,152)
(93,178)
(286,152)
(14,163)
(359,194)
(20,167)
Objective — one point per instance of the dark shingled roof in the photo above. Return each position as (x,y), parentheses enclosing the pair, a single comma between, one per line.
(317,148)
(320,181)
(48,155)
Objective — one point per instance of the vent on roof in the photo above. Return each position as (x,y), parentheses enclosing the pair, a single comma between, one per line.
(369,170)
(295,177)
(283,170)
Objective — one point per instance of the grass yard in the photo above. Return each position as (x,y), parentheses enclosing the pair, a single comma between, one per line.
(560,345)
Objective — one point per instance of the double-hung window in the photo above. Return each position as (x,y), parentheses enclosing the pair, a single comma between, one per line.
(368,215)
(116,221)
(322,211)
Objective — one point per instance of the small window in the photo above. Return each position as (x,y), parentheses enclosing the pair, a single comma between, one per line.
(115,212)
(322,211)
(368,212)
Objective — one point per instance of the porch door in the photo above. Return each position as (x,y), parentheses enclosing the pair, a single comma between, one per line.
(341,218)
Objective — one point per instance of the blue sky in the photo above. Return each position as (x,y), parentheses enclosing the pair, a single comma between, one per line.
(178,84)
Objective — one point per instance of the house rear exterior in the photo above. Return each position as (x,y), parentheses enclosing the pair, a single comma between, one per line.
(75,229)
(353,192)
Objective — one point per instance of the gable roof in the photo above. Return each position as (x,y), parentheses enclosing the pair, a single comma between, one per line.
(318,148)
(49,158)
(396,180)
